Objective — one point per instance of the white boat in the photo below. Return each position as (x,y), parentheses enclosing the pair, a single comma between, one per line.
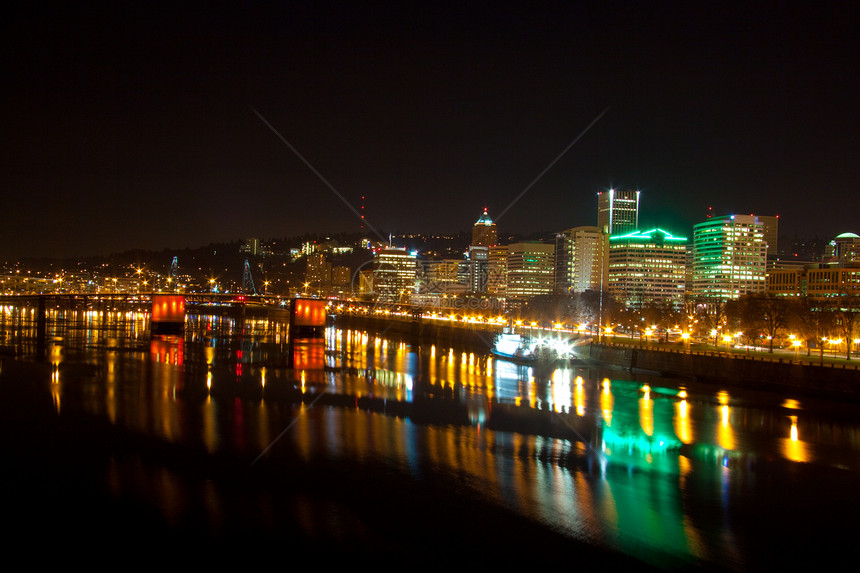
(512,346)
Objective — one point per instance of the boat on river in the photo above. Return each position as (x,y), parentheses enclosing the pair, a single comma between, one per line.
(514,347)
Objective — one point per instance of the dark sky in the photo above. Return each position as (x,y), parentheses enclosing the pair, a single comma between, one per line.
(156,126)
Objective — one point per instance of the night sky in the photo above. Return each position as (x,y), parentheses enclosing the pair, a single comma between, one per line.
(155,126)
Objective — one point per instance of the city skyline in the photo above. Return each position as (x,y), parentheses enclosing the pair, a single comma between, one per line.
(139,128)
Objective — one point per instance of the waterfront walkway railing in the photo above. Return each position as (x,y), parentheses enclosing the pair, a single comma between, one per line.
(763,355)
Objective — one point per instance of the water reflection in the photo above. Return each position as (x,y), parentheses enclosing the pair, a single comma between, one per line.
(609,459)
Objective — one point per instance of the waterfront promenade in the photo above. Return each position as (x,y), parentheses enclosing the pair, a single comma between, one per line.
(813,376)
(810,376)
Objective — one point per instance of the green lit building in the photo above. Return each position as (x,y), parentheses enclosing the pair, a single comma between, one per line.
(729,257)
(647,268)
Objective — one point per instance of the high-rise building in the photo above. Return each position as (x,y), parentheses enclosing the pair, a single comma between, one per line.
(340,277)
(530,271)
(497,270)
(318,273)
(618,211)
(579,254)
(770,234)
(394,274)
(484,232)
(729,257)
(477,266)
(442,277)
(647,267)
(845,248)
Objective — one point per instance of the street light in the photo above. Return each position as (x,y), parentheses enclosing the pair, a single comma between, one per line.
(837,342)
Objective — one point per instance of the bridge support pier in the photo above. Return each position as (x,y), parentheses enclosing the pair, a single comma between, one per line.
(42,318)
(42,328)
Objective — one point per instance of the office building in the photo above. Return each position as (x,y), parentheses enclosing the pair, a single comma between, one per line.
(647,268)
(580,259)
(845,248)
(317,274)
(497,270)
(618,211)
(729,257)
(444,276)
(394,274)
(341,279)
(770,234)
(477,267)
(484,232)
(530,271)
(816,281)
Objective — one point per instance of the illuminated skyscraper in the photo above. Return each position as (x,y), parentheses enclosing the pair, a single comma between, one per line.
(478,265)
(318,273)
(530,270)
(618,211)
(845,248)
(579,254)
(729,257)
(394,274)
(484,232)
(647,268)
(497,270)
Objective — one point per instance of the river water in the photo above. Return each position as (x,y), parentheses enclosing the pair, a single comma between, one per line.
(369,447)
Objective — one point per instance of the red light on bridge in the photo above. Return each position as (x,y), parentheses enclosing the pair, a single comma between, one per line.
(168,313)
(168,307)
(308,312)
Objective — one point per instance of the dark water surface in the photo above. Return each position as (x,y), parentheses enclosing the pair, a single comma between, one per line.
(208,448)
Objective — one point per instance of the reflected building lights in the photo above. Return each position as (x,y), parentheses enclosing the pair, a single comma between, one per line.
(793,448)
(606,402)
(646,412)
(682,422)
(579,397)
(725,434)
(562,393)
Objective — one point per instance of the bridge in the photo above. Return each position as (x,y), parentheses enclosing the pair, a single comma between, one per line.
(132,300)
(142,301)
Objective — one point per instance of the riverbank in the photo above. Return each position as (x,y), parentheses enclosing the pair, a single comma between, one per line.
(829,380)
(448,333)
